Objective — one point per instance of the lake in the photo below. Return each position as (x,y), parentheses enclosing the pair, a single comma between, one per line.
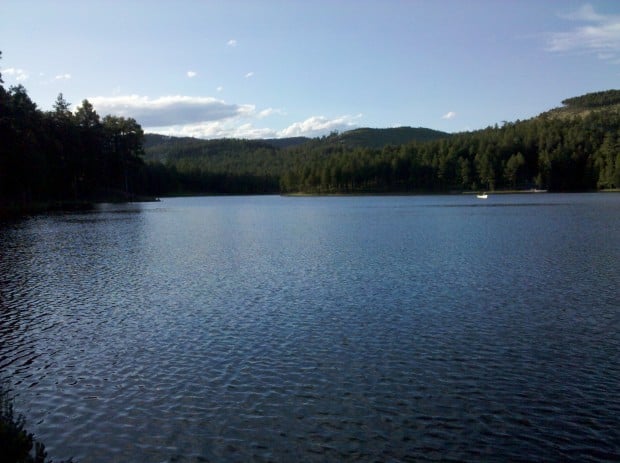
(391,328)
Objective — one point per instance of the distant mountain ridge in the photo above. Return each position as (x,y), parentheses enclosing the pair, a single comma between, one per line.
(51,159)
(162,147)
(379,138)
(575,147)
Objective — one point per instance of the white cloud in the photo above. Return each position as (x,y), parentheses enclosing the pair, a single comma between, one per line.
(232,43)
(18,75)
(319,125)
(243,125)
(449,115)
(207,117)
(600,35)
(63,77)
(249,74)
(169,110)
(217,129)
(191,74)
(270,111)
(220,88)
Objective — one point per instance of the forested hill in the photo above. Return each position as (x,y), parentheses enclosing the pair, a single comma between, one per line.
(575,147)
(227,165)
(154,143)
(379,138)
(572,148)
(162,148)
(582,106)
(594,100)
(63,156)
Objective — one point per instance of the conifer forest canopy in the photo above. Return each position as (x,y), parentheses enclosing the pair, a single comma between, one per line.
(63,155)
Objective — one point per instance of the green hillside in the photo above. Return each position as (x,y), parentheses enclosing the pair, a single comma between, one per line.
(54,158)
(574,147)
(378,138)
(163,148)
(584,105)
(286,142)
(252,166)
(594,100)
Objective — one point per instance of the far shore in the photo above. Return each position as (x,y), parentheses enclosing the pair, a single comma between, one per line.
(16,209)
(12,210)
(441,193)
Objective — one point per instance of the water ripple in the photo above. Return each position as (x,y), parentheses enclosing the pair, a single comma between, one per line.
(371,329)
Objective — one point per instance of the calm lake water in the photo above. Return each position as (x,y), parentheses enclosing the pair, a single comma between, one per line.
(407,328)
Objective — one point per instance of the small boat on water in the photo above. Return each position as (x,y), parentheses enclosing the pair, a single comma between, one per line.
(482,196)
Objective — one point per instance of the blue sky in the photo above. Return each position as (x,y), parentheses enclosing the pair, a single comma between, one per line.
(264,68)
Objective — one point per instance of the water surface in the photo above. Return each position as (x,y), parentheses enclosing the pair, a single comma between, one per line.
(405,328)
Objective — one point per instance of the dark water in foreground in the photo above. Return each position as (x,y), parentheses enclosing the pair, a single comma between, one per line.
(318,329)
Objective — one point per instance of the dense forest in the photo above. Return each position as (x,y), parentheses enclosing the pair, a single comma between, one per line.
(190,165)
(576,154)
(64,156)
(574,148)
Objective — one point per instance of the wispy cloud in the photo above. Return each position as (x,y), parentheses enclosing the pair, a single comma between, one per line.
(231,43)
(249,74)
(449,115)
(245,124)
(218,129)
(319,125)
(63,77)
(220,88)
(18,75)
(169,110)
(599,34)
(585,13)
(207,117)
(270,112)
(191,74)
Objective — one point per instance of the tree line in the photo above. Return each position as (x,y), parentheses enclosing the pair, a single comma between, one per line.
(560,154)
(71,156)
(576,153)
(61,155)
(594,100)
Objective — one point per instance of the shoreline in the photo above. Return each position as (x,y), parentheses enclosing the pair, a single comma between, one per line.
(16,210)
(447,193)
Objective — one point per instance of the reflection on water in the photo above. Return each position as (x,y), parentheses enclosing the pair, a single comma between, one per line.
(318,329)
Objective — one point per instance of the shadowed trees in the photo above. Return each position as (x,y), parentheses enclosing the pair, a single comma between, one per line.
(62,155)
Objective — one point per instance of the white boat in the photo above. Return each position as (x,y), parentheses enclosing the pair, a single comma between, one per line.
(482,196)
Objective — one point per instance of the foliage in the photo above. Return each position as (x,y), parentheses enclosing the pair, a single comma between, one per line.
(62,155)
(225,166)
(286,142)
(594,100)
(17,445)
(550,152)
(234,166)
(379,138)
